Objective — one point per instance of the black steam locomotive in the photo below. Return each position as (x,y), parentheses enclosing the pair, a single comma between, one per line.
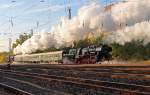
(88,55)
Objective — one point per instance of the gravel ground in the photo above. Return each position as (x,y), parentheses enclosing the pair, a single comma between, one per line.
(4,92)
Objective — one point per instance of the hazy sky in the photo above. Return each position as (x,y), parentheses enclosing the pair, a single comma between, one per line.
(20,16)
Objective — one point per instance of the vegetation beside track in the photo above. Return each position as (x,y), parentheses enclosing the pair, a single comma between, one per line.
(135,50)
(3,57)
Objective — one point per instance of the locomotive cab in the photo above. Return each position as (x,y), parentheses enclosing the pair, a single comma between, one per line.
(69,56)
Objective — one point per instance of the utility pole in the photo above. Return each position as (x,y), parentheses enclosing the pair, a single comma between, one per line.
(11,23)
(31,32)
(9,44)
(69,10)
(11,30)
(10,41)
(37,26)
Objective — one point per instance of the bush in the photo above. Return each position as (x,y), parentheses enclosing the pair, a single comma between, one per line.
(3,57)
(131,50)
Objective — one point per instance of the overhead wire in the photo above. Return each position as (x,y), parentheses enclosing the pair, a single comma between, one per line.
(36,27)
(17,16)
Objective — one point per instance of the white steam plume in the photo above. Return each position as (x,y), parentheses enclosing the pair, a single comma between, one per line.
(131,12)
(40,41)
(140,31)
(125,21)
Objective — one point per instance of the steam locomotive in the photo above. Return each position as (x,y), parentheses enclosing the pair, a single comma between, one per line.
(87,55)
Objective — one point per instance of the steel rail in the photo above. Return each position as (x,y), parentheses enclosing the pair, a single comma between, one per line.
(14,90)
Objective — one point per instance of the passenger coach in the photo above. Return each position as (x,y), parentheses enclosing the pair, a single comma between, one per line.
(40,57)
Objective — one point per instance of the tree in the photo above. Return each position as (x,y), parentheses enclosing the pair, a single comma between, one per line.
(98,40)
(88,41)
(134,50)
(22,38)
(116,50)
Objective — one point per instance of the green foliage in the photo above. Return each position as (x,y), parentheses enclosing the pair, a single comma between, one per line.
(98,40)
(81,43)
(116,50)
(86,42)
(21,39)
(131,50)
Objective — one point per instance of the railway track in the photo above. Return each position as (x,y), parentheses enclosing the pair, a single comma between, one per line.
(113,71)
(138,75)
(131,75)
(121,69)
(104,75)
(9,90)
(27,86)
(83,67)
(80,84)
(78,67)
(142,72)
(55,84)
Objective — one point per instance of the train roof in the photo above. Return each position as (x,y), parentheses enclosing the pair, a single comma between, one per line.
(54,52)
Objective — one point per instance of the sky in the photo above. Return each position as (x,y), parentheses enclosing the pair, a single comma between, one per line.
(20,16)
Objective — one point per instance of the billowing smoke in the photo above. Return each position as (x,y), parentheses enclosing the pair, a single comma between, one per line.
(139,31)
(132,18)
(124,22)
(131,12)
(40,41)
